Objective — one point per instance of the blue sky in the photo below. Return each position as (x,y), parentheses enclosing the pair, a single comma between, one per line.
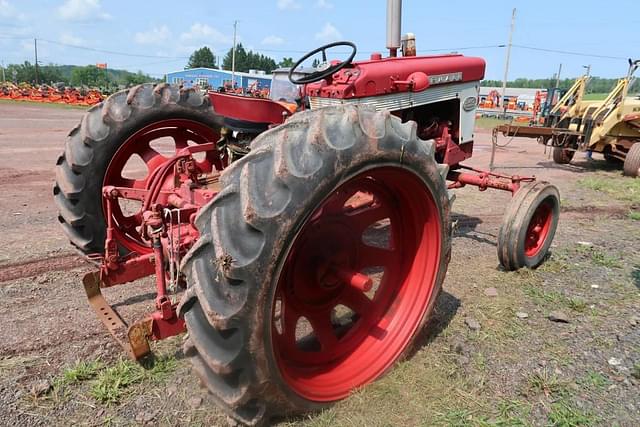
(158,36)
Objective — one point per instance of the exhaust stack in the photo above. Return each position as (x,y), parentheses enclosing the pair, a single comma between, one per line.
(394,23)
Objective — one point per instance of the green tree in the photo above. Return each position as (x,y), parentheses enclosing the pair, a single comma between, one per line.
(286,63)
(89,76)
(202,57)
(131,79)
(248,60)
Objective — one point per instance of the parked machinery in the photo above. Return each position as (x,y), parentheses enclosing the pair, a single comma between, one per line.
(610,127)
(308,239)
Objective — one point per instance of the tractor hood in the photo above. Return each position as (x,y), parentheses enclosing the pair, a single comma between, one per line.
(381,76)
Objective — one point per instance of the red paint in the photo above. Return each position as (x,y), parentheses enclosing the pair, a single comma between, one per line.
(247,108)
(387,319)
(538,229)
(382,74)
(160,177)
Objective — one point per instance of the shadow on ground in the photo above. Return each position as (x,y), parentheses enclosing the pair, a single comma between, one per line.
(465,226)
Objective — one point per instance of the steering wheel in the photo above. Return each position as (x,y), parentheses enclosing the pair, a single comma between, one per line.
(325,72)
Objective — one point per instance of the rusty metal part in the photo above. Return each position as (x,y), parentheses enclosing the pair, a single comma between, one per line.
(133,339)
(485,179)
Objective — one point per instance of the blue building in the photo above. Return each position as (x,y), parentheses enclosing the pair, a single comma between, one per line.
(213,79)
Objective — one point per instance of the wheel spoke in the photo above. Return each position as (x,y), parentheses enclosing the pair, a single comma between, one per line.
(289,322)
(147,153)
(130,223)
(180,139)
(323,330)
(335,204)
(371,256)
(356,301)
(364,217)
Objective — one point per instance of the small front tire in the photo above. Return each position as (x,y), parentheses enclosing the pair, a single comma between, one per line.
(528,226)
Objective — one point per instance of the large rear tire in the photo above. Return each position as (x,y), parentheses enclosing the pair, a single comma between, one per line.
(106,128)
(294,298)
(632,161)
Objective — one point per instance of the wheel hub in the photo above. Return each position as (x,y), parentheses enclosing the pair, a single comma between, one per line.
(356,283)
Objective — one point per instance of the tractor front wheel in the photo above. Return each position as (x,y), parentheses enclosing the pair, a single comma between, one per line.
(528,226)
(318,264)
(632,161)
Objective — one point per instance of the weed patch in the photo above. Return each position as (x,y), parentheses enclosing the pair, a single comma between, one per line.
(563,414)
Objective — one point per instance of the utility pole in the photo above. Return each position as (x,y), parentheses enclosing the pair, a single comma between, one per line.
(3,77)
(504,84)
(588,67)
(558,76)
(233,56)
(506,64)
(35,45)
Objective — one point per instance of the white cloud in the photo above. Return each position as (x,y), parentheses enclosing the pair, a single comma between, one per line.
(273,40)
(69,38)
(7,10)
(324,4)
(288,4)
(82,10)
(329,33)
(204,33)
(155,35)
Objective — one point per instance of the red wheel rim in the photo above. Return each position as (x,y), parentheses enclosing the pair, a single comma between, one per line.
(343,236)
(183,133)
(538,229)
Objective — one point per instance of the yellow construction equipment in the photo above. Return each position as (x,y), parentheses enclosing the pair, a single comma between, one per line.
(610,127)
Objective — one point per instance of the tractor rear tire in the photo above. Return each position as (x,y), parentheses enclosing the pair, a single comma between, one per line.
(284,222)
(528,226)
(632,161)
(562,156)
(90,146)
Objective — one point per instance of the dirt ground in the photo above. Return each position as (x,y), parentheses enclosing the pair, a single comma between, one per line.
(59,366)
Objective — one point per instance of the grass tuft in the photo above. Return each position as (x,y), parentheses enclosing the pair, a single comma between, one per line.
(546,382)
(81,371)
(564,414)
(593,379)
(112,382)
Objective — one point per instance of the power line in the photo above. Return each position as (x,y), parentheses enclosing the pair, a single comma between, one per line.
(567,52)
(112,52)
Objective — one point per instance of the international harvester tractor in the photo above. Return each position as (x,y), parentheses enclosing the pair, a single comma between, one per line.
(300,241)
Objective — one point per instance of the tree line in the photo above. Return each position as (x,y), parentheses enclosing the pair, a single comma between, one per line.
(73,75)
(245,60)
(596,84)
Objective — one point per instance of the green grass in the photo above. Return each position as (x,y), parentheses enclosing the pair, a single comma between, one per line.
(81,371)
(546,382)
(595,96)
(595,380)
(109,384)
(563,414)
(634,215)
(599,257)
(112,383)
(620,188)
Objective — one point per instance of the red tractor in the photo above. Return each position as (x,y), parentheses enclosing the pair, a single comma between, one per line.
(307,235)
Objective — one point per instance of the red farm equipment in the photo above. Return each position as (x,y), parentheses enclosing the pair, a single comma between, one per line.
(307,245)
